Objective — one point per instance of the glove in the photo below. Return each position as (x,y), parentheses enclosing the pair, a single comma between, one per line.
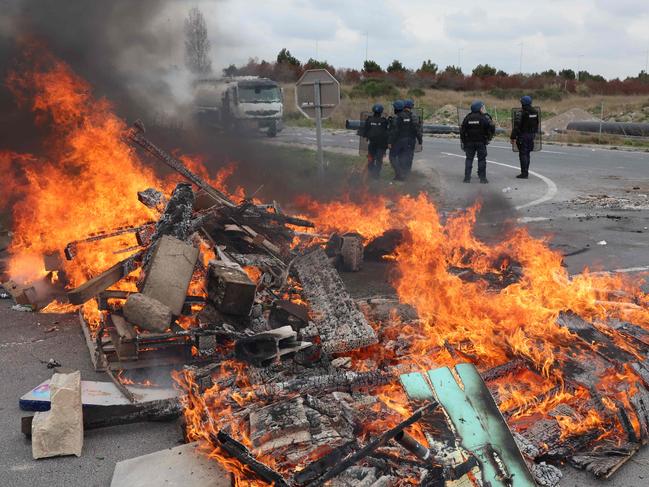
(420,140)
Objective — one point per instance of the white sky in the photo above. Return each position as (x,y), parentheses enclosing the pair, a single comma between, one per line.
(608,37)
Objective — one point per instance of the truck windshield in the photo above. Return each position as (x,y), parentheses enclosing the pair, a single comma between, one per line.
(259,94)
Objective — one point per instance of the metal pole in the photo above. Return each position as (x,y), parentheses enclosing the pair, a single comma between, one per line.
(520,66)
(367,43)
(318,127)
(601,119)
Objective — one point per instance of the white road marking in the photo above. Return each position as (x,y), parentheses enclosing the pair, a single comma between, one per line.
(549,194)
(625,270)
(542,150)
(530,219)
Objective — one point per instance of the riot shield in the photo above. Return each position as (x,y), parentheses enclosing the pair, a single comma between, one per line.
(363,143)
(461,115)
(420,113)
(538,137)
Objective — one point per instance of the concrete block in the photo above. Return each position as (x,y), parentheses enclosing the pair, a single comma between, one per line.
(59,431)
(146,312)
(170,272)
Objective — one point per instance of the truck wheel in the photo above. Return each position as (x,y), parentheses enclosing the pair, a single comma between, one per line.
(272,131)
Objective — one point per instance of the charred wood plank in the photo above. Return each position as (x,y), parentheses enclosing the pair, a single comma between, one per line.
(320,466)
(606,460)
(341,325)
(595,339)
(511,367)
(105,416)
(136,135)
(372,445)
(340,380)
(241,453)
(104,280)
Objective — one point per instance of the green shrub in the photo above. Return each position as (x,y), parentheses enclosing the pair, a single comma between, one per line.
(374,88)
(416,92)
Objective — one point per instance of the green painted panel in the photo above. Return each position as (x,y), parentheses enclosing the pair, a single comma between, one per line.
(480,425)
(416,386)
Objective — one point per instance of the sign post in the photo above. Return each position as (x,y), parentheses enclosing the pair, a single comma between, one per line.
(318,126)
(317,94)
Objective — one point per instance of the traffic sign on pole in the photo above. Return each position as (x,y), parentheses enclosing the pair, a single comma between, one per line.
(317,94)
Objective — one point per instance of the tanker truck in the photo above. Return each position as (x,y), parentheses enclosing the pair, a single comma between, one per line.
(239,104)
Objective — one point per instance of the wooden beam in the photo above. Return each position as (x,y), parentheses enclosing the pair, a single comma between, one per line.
(104,280)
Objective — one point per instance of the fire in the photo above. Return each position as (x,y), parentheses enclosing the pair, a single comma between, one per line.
(371,217)
(85,182)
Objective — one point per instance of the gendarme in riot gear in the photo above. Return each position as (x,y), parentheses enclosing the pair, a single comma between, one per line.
(525,127)
(375,130)
(402,133)
(476,132)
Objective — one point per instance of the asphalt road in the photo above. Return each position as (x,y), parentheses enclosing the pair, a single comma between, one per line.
(546,200)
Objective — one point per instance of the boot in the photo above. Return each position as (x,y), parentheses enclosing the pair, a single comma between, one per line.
(484,180)
(467,179)
(522,176)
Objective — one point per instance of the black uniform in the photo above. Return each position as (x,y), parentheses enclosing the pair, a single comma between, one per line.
(402,133)
(418,137)
(526,126)
(375,130)
(476,132)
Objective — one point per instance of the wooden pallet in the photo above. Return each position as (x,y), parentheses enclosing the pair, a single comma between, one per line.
(118,354)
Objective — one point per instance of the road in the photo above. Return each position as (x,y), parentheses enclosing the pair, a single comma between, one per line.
(546,201)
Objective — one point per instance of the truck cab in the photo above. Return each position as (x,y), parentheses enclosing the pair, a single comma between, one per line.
(240,104)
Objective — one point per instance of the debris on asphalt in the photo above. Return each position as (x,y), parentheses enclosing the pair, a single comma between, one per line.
(52,364)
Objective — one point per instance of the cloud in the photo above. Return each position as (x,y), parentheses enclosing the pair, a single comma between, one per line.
(611,36)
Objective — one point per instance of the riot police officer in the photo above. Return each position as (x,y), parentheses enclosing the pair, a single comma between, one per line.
(409,105)
(375,130)
(476,131)
(524,130)
(401,135)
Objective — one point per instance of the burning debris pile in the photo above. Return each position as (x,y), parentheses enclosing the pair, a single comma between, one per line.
(489,362)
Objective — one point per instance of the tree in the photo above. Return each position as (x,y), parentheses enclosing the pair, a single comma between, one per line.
(567,74)
(429,67)
(372,67)
(501,73)
(586,76)
(285,57)
(396,67)
(484,70)
(643,76)
(549,73)
(197,45)
(453,70)
(315,64)
(230,70)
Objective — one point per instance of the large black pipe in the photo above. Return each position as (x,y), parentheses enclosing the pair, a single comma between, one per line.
(617,128)
(429,128)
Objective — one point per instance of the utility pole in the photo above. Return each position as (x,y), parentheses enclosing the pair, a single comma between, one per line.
(459,57)
(316,51)
(520,64)
(367,43)
(579,58)
(646,63)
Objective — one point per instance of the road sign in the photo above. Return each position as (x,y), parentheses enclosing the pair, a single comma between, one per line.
(317,94)
(306,92)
